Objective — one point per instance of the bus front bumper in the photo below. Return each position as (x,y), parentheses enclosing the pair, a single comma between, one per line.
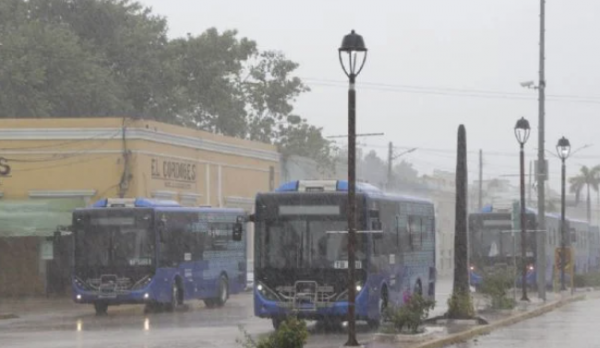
(86,296)
(130,297)
(264,308)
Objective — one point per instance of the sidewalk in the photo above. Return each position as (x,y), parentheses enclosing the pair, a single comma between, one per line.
(456,332)
(33,304)
(11,308)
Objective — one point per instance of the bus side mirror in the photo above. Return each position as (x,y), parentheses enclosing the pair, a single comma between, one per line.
(237,232)
(252,217)
(238,228)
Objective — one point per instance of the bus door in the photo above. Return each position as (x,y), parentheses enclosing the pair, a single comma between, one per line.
(379,261)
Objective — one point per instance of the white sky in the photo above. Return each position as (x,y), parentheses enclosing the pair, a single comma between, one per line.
(420,54)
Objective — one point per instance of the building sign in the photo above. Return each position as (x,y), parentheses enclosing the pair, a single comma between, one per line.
(175,174)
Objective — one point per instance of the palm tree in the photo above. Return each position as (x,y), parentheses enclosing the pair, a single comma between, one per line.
(590,179)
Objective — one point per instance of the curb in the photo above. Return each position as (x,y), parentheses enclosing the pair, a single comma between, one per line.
(482,330)
(124,308)
(4,316)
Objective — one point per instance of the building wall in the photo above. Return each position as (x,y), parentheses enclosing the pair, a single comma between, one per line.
(92,158)
(302,168)
(441,187)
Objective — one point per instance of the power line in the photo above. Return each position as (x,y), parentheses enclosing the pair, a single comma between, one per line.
(87,151)
(66,156)
(61,144)
(452,151)
(471,93)
(87,159)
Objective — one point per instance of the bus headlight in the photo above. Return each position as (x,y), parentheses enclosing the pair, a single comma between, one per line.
(146,296)
(343,296)
(531,268)
(78,297)
(267,293)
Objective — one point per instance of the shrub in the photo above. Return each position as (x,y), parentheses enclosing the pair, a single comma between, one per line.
(460,306)
(292,333)
(411,315)
(496,286)
(588,279)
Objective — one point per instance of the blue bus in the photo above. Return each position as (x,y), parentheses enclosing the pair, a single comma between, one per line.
(491,244)
(156,253)
(594,249)
(301,260)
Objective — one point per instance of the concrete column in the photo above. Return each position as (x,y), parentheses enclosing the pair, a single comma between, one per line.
(207,188)
(220,185)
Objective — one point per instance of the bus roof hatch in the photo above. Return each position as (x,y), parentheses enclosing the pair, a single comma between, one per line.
(317,185)
(120,202)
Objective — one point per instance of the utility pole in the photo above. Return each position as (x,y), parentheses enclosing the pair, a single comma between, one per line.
(389,173)
(391,158)
(126,175)
(480,206)
(530,183)
(542,170)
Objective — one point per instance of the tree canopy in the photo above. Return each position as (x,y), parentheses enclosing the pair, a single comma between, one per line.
(97,58)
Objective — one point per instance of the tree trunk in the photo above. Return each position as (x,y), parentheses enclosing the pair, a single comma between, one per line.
(589,206)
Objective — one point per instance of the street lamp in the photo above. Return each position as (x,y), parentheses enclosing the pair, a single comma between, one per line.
(522,132)
(563,148)
(352,52)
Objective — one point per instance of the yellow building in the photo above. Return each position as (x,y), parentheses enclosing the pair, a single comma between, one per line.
(50,166)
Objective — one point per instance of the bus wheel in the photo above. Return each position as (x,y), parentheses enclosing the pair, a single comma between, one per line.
(101,308)
(383,304)
(209,303)
(223,293)
(151,307)
(175,296)
(418,288)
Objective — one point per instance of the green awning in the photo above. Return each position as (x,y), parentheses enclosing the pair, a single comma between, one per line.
(36,217)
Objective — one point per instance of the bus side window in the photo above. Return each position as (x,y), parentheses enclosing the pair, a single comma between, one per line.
(415,230)
(194,238)
(422,231)
(163,238)
(397,228)
(410,231)
(377,238)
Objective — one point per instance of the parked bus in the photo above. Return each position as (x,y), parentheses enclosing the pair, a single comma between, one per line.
(157,253)
(301,260)
(495,241)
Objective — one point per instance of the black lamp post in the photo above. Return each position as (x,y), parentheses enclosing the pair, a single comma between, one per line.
(522,131)
(353,54)
(563,148)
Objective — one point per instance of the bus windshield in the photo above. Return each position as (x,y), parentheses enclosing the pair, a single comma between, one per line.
(115,240)
(304,243)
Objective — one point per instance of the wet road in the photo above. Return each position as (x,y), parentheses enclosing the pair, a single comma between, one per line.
(575,325)
(77,326)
